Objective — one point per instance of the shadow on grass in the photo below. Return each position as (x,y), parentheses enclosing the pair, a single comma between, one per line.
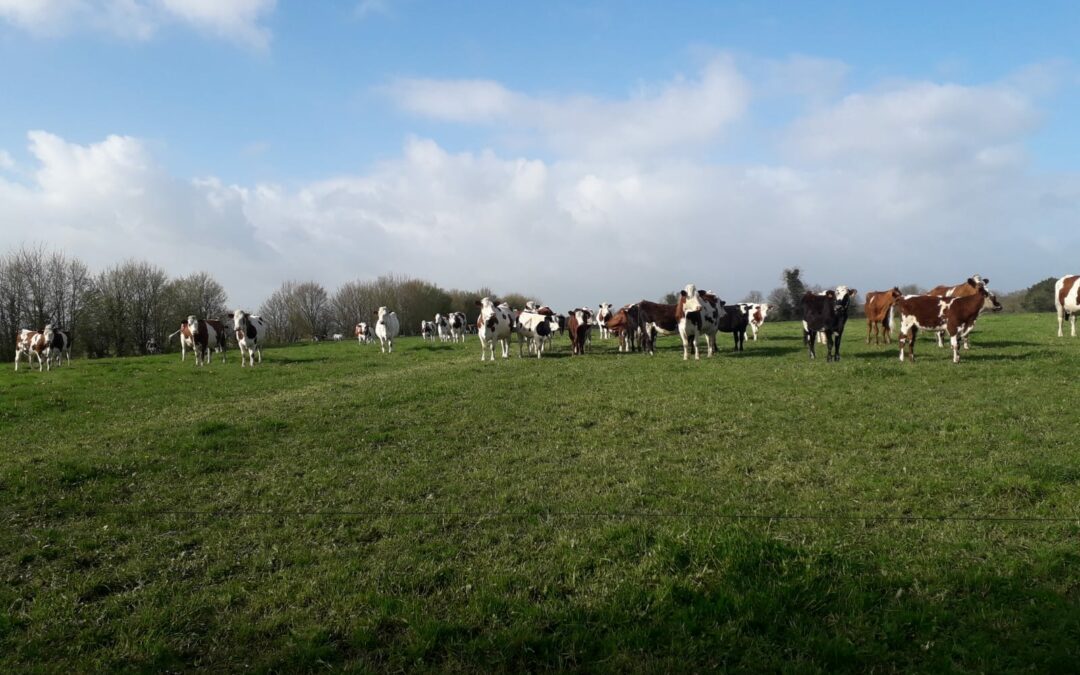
(753,351)
(286,360)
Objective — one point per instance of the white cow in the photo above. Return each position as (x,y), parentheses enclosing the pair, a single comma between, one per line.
(250,331)
(495,324)
(536,327)
(603,315)
(442,327)
(55,343)
(1067,301)
(386,329)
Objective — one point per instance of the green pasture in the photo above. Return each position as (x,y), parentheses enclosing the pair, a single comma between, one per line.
(335,508)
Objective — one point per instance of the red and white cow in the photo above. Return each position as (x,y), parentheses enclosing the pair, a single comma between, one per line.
(387,328)
(363,333)
(495,323)
(250,331)
(955,316)
(203,336)
(756,313)
(31,343)
(579,324)
(968,288)
(1067,301)
(55,343)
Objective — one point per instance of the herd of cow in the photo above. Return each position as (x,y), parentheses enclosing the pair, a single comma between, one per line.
(944,310)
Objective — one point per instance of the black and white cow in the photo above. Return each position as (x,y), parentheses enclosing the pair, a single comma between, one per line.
(494,325)
(537,327)
(734,319)
(826,314)
(427,329)
(457,323)
(250,332)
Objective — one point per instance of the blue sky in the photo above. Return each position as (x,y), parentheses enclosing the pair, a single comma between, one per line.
(341,140)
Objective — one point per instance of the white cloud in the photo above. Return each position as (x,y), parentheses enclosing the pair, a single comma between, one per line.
(7,162)
(677,114)
(234,20)
(920,123)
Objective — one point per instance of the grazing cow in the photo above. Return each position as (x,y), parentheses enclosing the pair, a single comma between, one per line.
(250,331)
(1067,301)
(28,343)
(363,333)
(55,341)
(755,313)
(386,329)
(879,313)
(603,315)
(442,327)
(536,327)
(734,319)
(826,313)
(578,324)
(969,287)
(427,329)
(955,316)
(494,324)
(203,337)
(457,323)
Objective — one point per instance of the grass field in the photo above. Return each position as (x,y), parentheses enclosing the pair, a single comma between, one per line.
(336,508)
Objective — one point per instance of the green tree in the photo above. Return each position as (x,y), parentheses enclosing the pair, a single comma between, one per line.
(1040,297)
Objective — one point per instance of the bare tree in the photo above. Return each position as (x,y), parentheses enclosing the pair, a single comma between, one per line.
(309,307)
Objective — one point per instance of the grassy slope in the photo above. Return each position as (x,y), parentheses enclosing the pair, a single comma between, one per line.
(424,509)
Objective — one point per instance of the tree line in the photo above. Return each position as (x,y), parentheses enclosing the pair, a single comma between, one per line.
(127,307)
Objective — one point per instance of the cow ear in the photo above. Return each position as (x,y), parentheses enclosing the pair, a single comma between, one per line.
(986,281)
(971,282)
(682,294)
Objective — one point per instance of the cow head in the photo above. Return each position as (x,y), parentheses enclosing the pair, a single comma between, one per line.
(361,328)
(895,293)
(990,299)
(193,324)
(381,313)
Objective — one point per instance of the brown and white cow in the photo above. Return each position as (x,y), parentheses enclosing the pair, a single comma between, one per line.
(1067,301)
(364,333)
(31,343)
(628,326)
(202,334)
(968,288)
(879,313)
(755,315)
(955,316)
(659,319)
(579,325)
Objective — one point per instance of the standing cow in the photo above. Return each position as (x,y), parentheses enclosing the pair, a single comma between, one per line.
(203,337)
(386,329)
(955,316)
(56,343)
(755,315)
(427,329)
(250,331)
(1067,301)
(697,313)
(363,333)
(494,325)
(826,314)
(457,323)
(603,315)
(879,313)
(970,287)
(579,325)
(28,343)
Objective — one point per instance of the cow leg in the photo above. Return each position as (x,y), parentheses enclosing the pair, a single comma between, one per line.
(1072,323)
(505,347)
(954,340)
(939,341)
(810,339)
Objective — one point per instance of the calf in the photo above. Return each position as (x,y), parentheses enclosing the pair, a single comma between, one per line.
(363,333)
(386,329)
(58,342)
(457,323)
(603,315)
(579,326)
(879,313)
(494,324)
(955,316)
(250,331)
(1067,301)
(755,315)
(28,343)
(828,314)
(536,327)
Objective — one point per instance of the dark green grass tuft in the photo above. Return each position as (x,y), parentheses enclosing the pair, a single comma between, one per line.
(339,508)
